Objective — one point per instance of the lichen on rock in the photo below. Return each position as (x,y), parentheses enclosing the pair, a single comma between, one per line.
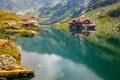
(11,48)
(7,62)
(10,57)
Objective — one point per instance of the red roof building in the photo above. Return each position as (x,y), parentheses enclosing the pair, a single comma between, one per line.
(30,19)
(85,21)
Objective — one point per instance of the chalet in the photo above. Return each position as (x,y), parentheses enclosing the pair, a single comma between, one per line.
(84,21)
(82,26)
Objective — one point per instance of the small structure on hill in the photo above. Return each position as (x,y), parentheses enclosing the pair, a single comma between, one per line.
(30,20)
(82,27)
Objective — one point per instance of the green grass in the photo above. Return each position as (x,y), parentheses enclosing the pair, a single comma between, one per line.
(61,25)
(107,26)
(10,52)
(8,48)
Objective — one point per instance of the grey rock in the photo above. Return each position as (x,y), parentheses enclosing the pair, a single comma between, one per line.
(7,62)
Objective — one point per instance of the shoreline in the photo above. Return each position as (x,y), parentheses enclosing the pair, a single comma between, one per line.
(10,61)
(10,56)
(16,73)
(11,28)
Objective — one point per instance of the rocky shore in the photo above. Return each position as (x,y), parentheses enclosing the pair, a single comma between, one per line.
(11,28)
(10,61)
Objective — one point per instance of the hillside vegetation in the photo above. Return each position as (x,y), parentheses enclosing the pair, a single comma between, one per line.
(61,12)
(52,11)
(11,28)
(107,20)
(8,17)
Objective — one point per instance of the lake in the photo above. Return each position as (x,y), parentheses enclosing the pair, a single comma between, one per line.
(55,54)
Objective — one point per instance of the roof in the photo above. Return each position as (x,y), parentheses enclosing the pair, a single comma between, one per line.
(83,20)
(29,18)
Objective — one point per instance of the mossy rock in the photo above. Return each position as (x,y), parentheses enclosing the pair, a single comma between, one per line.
(11,48)
(9,68)
(16,73)
(8,74)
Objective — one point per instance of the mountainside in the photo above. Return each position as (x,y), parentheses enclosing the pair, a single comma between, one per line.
(23,6)
(107,20)
(63,11)
(68,9)
(52,11)
(99,3)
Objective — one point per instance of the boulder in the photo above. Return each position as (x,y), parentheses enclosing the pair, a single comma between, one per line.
(7,62)
(10,57)
(11,48)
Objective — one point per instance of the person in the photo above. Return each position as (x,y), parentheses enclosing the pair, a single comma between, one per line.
(9,37)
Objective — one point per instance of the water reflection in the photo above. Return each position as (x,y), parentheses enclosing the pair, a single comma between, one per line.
(53,67)
(98,60)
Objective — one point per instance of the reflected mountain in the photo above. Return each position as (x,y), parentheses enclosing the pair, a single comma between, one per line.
(100,59)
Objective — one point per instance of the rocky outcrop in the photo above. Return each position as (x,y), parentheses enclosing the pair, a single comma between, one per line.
(11,48)
(10,57)
(7,62)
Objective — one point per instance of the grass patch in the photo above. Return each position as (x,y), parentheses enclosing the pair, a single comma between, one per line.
(61,25)
(8,17)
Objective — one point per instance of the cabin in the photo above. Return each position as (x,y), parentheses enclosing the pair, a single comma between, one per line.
(82,26)
(85,21)
(30,19)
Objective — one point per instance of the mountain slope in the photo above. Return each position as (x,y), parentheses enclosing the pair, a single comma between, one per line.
(64,10)
(52,11)
(22,6)
(25,5)
(68,9)
(107,20)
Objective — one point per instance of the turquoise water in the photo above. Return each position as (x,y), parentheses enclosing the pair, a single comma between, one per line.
(57,55)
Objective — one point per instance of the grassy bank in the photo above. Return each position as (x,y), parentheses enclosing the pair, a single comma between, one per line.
(16,73)
(10,52)
(61,25)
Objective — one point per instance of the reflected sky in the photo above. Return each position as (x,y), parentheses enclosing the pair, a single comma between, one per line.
(66,57)
(54,67)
